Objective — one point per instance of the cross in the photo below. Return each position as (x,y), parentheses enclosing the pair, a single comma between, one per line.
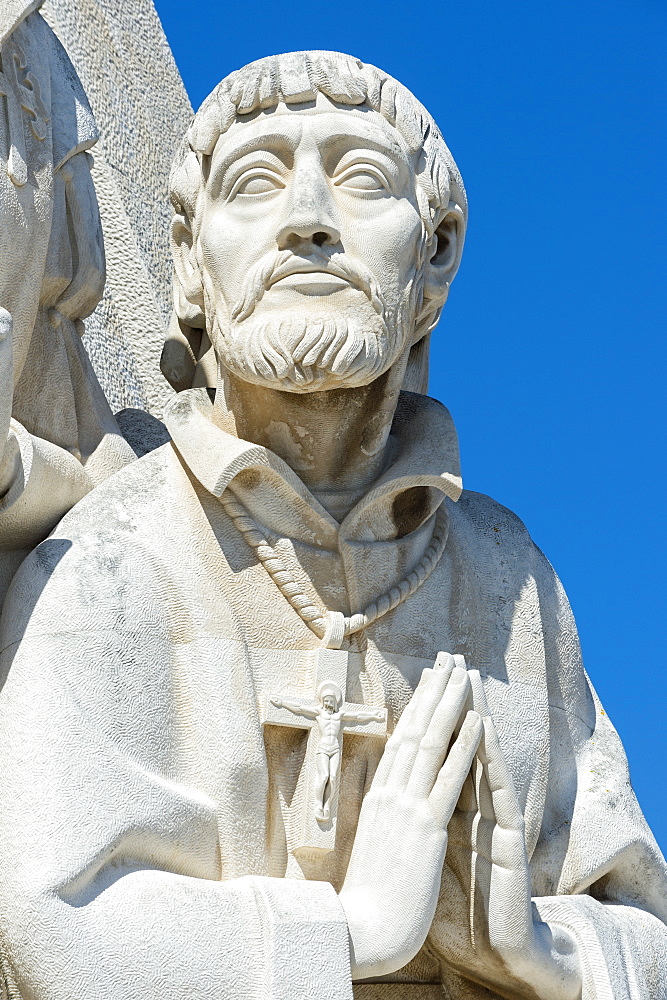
(328,716)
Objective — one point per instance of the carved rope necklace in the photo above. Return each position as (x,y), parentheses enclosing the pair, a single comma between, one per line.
(332,627)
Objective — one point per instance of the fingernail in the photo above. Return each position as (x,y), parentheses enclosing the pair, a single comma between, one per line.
(443,661)
(472,718)
(459,675)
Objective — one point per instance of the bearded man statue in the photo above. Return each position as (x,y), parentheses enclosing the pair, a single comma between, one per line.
(203,662)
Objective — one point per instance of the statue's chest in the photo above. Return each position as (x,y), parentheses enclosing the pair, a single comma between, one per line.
(320,763)
(302,753)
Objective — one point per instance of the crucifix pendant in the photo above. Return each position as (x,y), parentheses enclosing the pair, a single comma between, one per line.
(328,716)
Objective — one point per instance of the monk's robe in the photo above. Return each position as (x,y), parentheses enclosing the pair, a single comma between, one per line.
(63,439)
(149,829)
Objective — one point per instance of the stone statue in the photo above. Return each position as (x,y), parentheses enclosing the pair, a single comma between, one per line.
(120,54)
(307,524)
(58,437)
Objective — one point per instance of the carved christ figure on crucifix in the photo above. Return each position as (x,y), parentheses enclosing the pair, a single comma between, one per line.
(329,718)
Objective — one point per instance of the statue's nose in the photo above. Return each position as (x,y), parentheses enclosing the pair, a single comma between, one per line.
(320,235)
(309,217)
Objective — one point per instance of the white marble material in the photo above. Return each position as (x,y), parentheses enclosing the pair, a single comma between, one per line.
(140,105)
(152,829)
(328,716)
(57,435)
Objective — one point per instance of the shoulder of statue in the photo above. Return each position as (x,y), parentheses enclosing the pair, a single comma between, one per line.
(115,547)
(494,544)
(150,480)
(122,513)
(488,518)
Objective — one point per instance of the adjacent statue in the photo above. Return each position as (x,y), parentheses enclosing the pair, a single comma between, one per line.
(58,437)
(306,531)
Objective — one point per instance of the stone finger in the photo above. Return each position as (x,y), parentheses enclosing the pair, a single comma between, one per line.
(403,726)
(480,703)
(435,742)
(498,799)
(415,733)
(444,661)
(454,771)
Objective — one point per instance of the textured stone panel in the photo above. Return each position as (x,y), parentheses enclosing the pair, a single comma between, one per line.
(125,64)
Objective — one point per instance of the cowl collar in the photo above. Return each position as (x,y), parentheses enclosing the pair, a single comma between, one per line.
(425,458)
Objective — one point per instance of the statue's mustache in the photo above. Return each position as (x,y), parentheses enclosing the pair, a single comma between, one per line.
(274,266)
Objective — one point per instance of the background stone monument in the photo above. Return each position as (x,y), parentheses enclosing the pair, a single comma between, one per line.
(125,64)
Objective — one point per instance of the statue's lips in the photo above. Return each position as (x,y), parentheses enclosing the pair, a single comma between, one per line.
(310,279)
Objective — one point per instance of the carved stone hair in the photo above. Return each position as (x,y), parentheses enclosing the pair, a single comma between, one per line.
(332,689)
(292,78)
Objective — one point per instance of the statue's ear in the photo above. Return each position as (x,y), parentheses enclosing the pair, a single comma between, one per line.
(446,253)
(188,290)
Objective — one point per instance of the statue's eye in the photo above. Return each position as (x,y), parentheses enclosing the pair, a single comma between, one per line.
(362,179)
(257,183)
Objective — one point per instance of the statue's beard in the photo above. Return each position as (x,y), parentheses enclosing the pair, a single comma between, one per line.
(303,349)
(306,352)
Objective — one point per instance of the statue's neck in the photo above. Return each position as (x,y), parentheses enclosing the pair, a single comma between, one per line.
(336,441)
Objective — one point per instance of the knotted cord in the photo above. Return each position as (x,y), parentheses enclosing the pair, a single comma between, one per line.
(317,619)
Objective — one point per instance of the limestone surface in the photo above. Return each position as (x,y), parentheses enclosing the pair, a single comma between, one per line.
(58,437)
(123,59)
(286,712)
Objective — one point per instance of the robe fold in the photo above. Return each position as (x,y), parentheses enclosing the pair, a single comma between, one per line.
(150,825)
(63,433)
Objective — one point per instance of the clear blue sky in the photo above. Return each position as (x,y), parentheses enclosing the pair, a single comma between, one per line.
(551,351)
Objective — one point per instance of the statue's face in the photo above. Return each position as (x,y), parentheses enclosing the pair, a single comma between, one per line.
(329,703)
(309,238)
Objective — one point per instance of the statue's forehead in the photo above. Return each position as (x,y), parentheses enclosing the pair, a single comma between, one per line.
(323,119)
